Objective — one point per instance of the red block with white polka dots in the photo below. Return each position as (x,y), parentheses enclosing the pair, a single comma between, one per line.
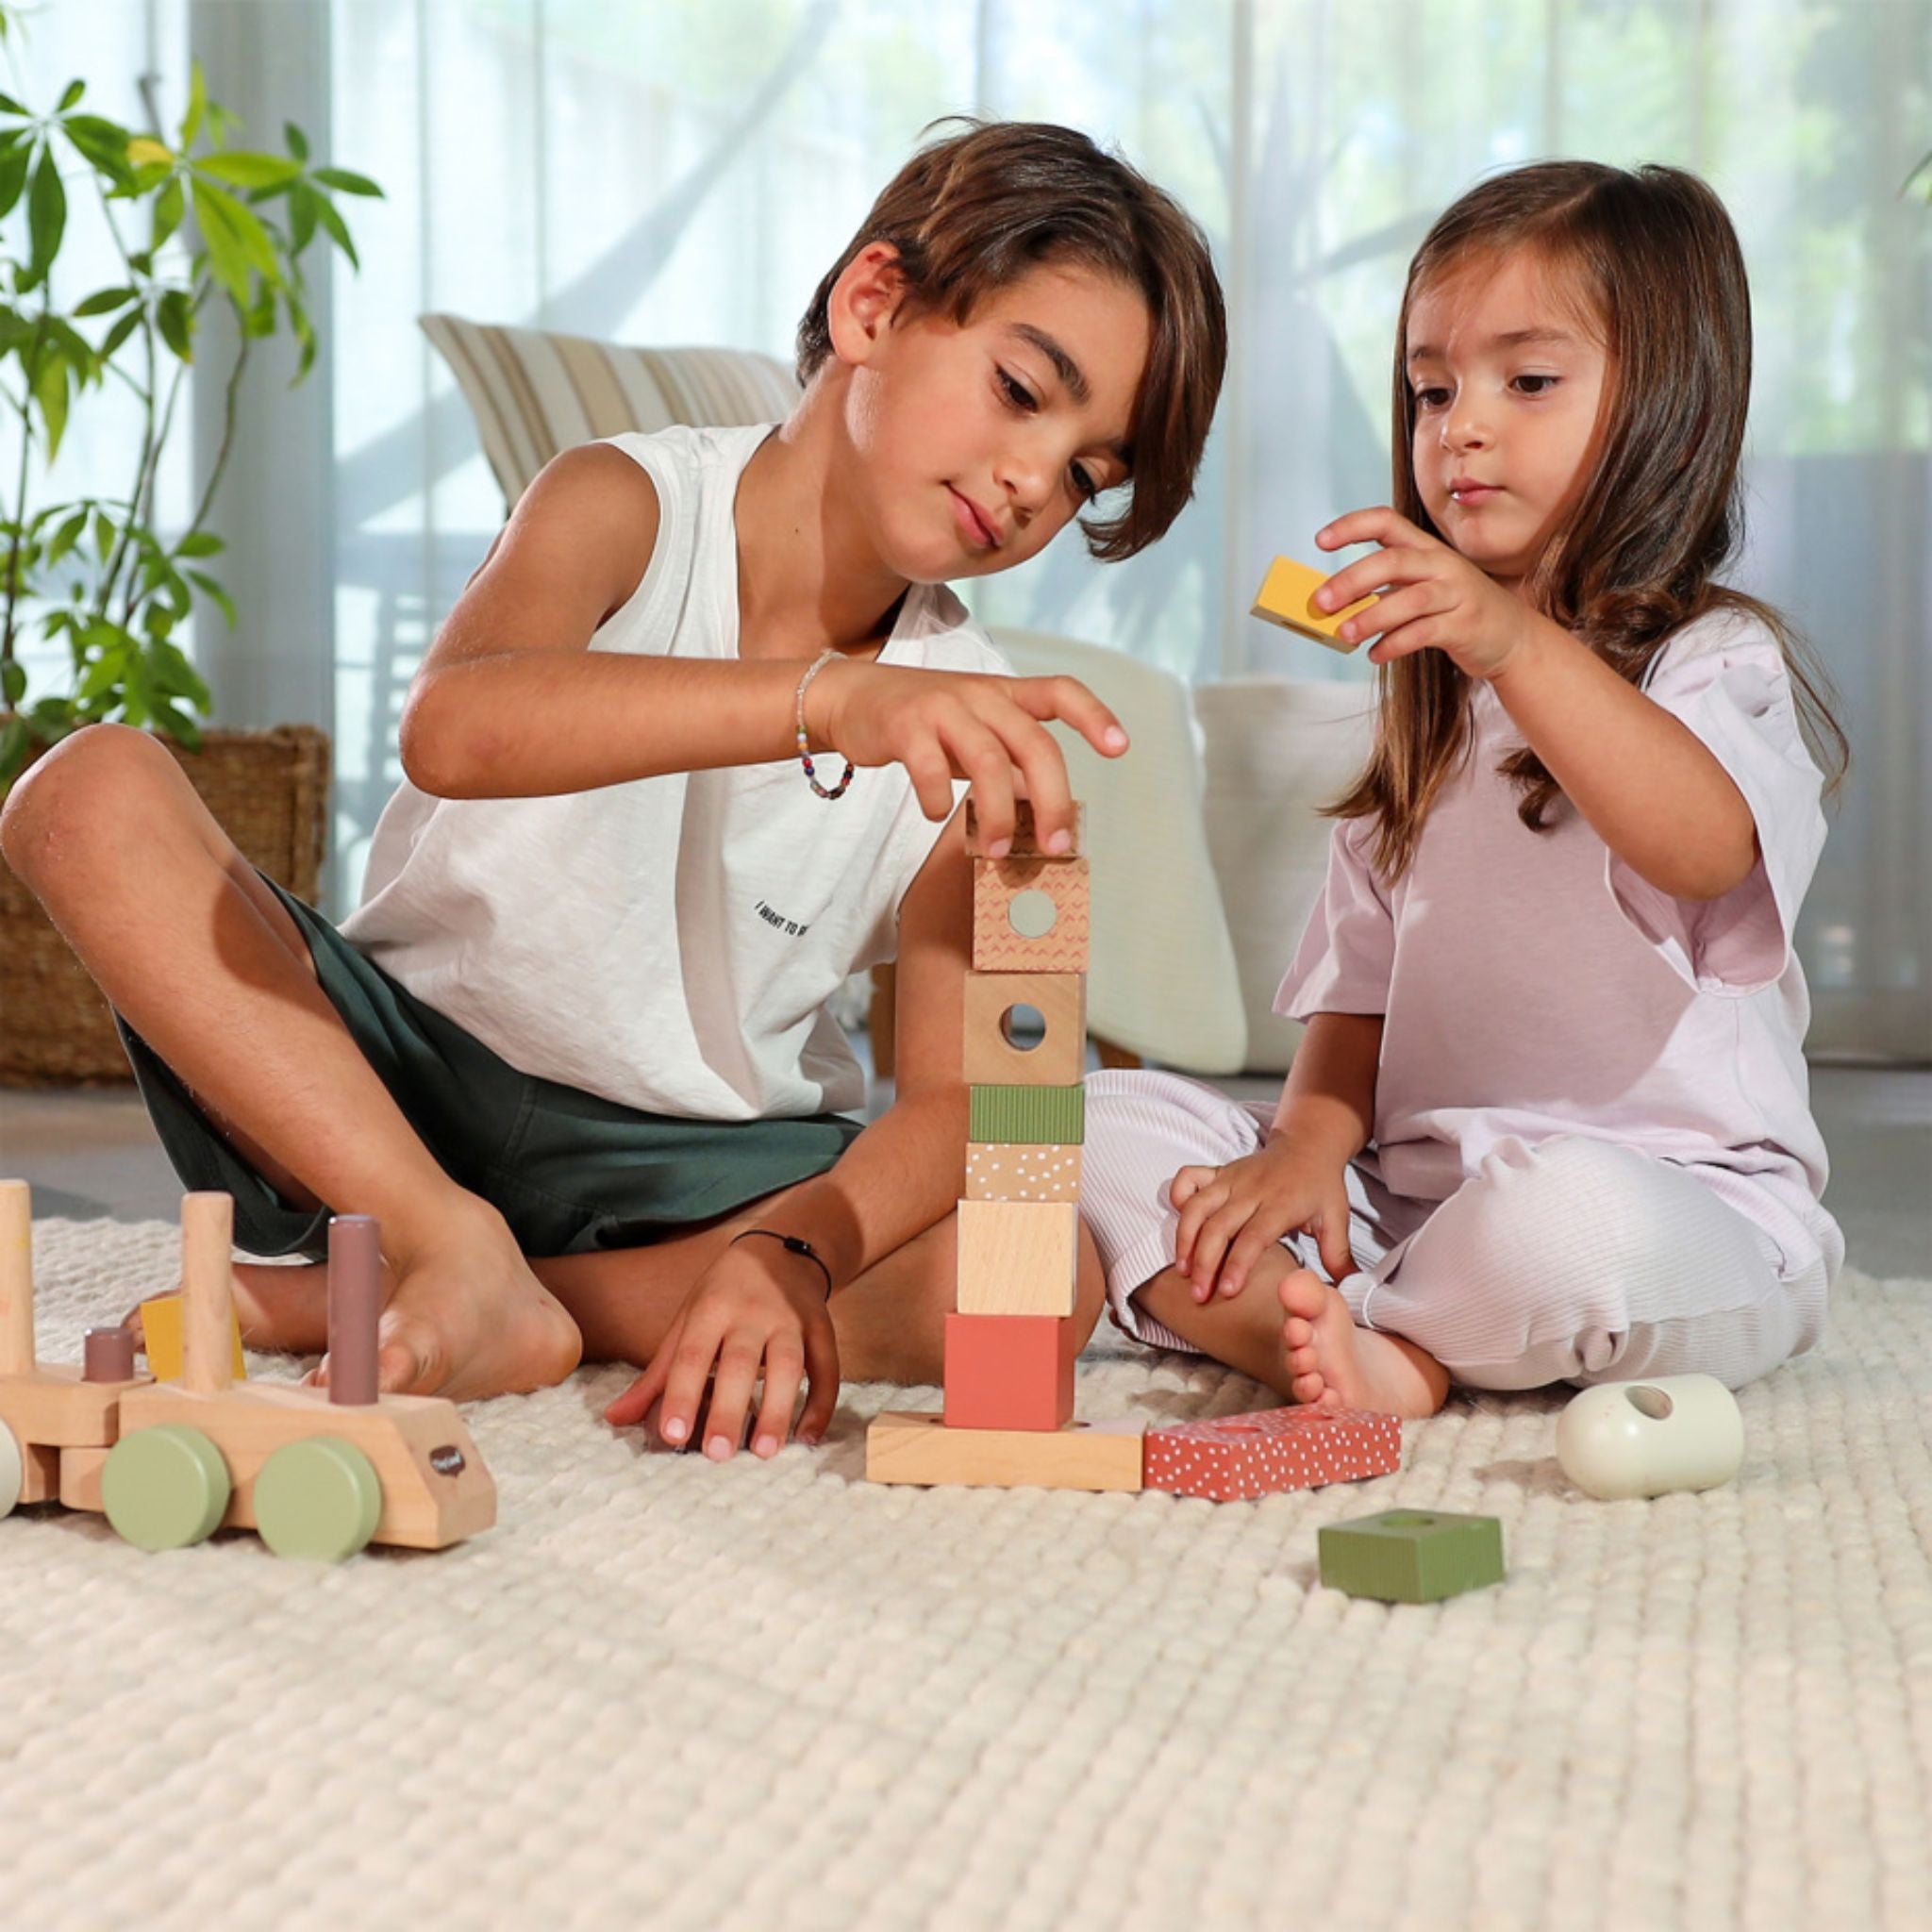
(1233,1458)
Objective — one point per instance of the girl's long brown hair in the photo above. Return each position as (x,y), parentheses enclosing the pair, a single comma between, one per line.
(1654,256)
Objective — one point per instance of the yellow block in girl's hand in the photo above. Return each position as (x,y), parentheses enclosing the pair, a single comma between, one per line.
(161,1329)
(1287,598)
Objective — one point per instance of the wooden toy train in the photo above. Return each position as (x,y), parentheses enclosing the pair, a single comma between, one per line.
(317,1472)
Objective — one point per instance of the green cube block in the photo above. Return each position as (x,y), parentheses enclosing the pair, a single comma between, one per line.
(1411,1555)
(1030,1116)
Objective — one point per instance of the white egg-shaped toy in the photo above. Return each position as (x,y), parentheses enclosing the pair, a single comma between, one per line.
(1646,1439)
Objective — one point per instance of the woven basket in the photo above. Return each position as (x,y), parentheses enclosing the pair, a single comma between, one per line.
(269,790)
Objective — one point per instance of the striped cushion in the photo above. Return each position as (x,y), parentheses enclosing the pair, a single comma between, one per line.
(535,392)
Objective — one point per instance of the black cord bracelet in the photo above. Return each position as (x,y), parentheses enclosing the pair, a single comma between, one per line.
(794,1244)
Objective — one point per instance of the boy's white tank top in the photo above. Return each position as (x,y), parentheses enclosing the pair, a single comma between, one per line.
(669,944)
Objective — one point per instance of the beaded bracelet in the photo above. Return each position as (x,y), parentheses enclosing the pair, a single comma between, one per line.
(794,1245)
(837,791)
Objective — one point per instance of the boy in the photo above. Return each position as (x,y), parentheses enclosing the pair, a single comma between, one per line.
(579,1016)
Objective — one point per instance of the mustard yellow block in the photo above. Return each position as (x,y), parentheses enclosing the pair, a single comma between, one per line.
(1285,598)
(160,1327)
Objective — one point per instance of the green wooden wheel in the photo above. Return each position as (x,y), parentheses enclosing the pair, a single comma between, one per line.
(318,1498)
(12,1471)
(165,1488)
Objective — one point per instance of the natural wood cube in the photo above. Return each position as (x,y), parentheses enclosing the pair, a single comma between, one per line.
(1017,1258)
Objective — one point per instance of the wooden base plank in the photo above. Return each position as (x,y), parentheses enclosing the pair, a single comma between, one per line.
(54,1407)
(901,1447)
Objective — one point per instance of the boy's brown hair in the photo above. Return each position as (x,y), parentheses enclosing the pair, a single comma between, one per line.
(1652,256)
(976,212)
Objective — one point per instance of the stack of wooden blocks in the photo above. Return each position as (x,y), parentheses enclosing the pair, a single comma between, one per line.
(1011,1346)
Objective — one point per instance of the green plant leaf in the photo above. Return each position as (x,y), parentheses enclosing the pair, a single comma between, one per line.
(298,141)
(236,242)
(71,98)
(15,742)
(174,317)
(51,391)
(344,182)
(301,200)
(9,106)
(105,534)
(102,144)
(213,591)
(178,725)
(13,167)
(339,234)
(46,216)
(170,205)
(200,544)
(243,169)
(105,301)
(175,675)
(12,681)
(66,537)
(119,334)
(197,105)
(52,717)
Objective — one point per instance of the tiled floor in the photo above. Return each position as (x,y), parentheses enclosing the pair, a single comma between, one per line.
(91,1153)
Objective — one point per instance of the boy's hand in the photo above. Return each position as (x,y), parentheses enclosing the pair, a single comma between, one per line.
(1433,598)
(755,1305)
(947,724)
(1231,1216)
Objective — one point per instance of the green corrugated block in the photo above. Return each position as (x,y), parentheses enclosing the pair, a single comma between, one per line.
(1030,1116)
(1411,1555)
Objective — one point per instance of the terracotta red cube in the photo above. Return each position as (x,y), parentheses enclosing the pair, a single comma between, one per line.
(1009,1372)
(1234,1458)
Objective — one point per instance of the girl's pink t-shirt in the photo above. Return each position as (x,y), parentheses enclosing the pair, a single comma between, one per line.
(1533,985)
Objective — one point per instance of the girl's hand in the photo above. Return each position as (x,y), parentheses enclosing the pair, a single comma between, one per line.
(1232,1215)
(755,1305)
(947,724)
(1433,598)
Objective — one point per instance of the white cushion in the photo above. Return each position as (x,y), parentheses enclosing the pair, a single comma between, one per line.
(1162,980)
(1275,751)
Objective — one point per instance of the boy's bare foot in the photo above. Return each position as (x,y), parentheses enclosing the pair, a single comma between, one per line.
(1333,1364)
(465,1318)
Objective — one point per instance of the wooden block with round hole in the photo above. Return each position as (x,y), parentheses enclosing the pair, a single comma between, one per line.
(1009,1372)
(1002,1011)
(1285,598)
(1030,915)
(1233,1458)
(1025,841)
(1017,1258)
(901,1447)
(1022,1170)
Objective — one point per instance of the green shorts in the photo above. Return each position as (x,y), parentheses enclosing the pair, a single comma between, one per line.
(569,1172)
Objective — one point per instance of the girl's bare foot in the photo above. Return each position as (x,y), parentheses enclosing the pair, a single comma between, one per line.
(1333,1364)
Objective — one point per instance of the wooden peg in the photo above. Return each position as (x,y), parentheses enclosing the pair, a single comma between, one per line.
(208,1292)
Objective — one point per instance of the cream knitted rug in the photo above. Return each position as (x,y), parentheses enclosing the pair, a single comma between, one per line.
(665,1693)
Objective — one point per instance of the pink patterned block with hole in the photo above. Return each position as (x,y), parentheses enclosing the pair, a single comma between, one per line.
(1234,1458)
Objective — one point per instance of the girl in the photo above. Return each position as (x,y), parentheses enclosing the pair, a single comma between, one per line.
(1549,1120)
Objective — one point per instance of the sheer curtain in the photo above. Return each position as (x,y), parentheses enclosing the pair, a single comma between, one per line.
(664,172)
